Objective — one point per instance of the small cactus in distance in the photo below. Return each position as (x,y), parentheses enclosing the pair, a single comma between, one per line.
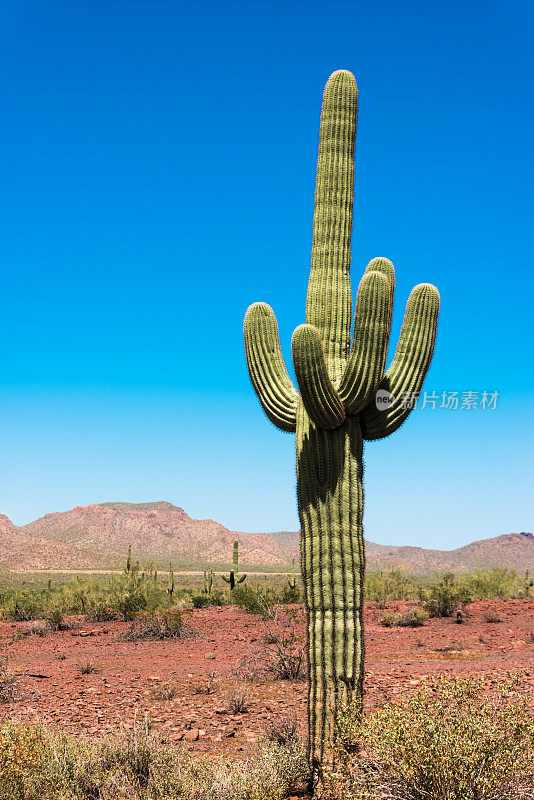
(208,582)
(292,581)
(128,567)
(170,584)
(528,583)
(234,578)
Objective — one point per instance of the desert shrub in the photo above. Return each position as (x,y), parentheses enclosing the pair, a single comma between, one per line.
(290,594)
(36,627)
(283,730)
(101,612)
(54,619)
(281,655)
(218,598)
(87,668)
(493,618)
(255,601)
(8,684)
(156,625)
(454,739)
(490,584)
(391,584)
(36,764)
(200,600)
(238,701)
(24,751)
(444,598)
(23,606)
(414,618)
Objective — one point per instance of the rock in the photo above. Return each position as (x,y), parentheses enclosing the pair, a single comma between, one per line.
(209,656)
(192,735)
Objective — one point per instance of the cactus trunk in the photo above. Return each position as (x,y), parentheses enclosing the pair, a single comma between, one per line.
(330,499)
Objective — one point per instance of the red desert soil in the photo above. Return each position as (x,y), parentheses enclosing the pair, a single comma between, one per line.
(129,675)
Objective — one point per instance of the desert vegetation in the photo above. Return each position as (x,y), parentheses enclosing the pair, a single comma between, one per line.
(144,591)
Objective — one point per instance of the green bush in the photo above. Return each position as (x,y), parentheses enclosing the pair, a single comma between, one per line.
(445,598)
(166,624)
(290,594)
(255,601)
(454,739)
(392,584)
(490,584)
(414,618)
(200,600)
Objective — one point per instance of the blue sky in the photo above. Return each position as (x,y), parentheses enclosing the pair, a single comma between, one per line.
(158,171)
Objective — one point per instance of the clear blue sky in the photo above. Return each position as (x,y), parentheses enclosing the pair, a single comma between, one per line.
(158,168)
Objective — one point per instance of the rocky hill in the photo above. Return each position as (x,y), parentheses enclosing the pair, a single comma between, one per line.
(22,550)
(156,531)
(97,536)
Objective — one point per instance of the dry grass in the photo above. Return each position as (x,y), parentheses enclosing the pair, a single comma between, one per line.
(455,739)
(38,764)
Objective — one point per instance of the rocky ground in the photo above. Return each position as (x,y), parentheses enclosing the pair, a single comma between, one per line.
(168,680)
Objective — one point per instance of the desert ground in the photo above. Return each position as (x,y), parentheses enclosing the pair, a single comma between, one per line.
(187,686)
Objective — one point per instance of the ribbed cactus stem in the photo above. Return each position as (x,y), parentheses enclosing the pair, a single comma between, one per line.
(128,567)
(208,582)
(336,409)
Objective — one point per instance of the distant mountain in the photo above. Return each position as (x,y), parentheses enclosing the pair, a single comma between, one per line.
(156,531)
(97,536)
(22,550)
(508,550)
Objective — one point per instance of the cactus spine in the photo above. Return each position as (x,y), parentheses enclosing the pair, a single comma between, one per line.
(234,578)
(335,409)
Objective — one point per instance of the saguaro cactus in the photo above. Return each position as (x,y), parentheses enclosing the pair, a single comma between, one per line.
(170,584)
(292,582)
(208,582)
(345,397)
(233,579)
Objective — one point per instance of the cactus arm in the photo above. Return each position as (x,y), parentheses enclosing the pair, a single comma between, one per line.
(367,361)
(242,578)
(227,580)
(319,396)
(329,301)
(384,266)
(410,364)
(267,369)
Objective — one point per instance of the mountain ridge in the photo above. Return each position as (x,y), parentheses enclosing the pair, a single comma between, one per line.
(97,536)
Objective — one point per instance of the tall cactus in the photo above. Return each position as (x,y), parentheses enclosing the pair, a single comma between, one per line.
(338,406)
(233,579)
(170,585)
(208,582)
